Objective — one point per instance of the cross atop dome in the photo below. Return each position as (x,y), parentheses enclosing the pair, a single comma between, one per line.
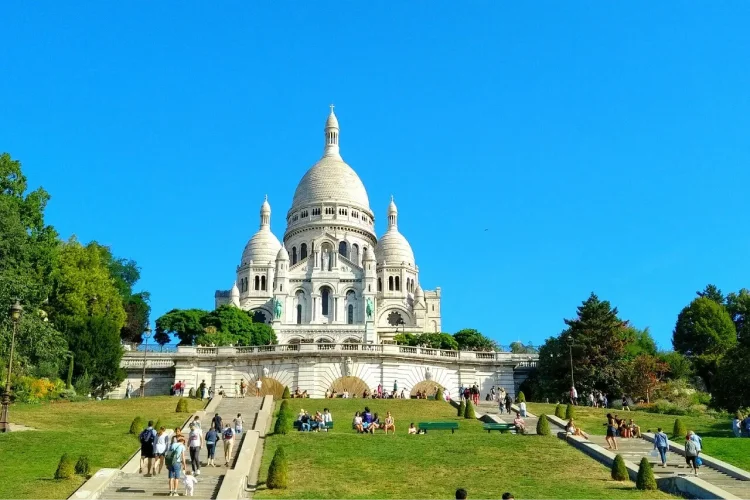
(331,106)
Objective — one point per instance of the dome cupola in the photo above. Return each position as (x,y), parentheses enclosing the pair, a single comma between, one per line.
(392,247)
(263,247)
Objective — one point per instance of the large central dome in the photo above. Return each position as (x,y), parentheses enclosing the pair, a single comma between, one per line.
(331,179)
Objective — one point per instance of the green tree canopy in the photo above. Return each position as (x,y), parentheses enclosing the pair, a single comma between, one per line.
(469,339)
(704,327)
(639,342)
(95,341)
(183,323)
(712,292)
(731,384)
(738,307)
(679,365)
(521,348)
(223,326)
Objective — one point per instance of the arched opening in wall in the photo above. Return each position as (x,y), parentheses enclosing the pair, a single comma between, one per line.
(294,255)
(299,314)
(398,284)
(390,283)
(295,340)
(303,251)
(299,301)
(350,314)
(354,385)
(355,254)
(259,316)
(257,282)
(434,327)
(343,250)
(269,386)
(263,283)
(325,298)
(352,340)
(427,386)
(380,284)
(325,340)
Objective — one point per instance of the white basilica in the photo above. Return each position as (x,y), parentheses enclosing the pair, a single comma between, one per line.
(332,280)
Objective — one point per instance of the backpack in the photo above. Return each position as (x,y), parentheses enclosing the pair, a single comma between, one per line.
(173,456)
(146,436)
(228,433)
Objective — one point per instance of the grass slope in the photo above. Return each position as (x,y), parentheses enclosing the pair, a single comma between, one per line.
(343,464)
(98,429)
(718,440)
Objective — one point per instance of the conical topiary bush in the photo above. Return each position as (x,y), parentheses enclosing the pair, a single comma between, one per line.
(439,394)
(182,406)
(521,397)
(286,394)
(82,466)
(469,413)
(559,411)
(646,479)
(542,425)
(619,471)
(570,412)
(136,426)
(679,431)
(65,468)
(461,408)
(284,423)
(278,471)
(284,406)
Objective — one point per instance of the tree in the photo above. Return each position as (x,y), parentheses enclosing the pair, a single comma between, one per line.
(704,327)
(234,326)
(642,375)
(712,292)
(619,471)
(437,341)
(137,311)
(679,366)
(645,479)
(471,340)
(738,307)
(184,323)
(639,342)
(520,348)
(678,430)
(408,339)
(731,385)
(95,343)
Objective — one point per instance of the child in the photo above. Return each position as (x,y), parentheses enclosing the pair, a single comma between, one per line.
(190,481)
(238,424)
(412,429)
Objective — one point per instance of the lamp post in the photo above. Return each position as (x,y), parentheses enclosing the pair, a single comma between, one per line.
(146,334)
(15,314)
(569,341)
(402,325)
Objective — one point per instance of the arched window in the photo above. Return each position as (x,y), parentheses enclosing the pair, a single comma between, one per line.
(262,282)
(343,249)
(355,253)
(325,296)
(257,282)
(390,283)
(303,251)
(350,314)
(294,255)
(398,288)
(299,314)
(380,284)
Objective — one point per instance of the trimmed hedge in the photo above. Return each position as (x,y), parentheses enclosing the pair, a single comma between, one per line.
(542,425)
(286,394)
(461,408)
(136,426)
(278,471)
(469,412)
(619,471)
(182,406)
(284,422)
(65,468)
(678,431)
(559,412)
(82,466)
(439,396)
(645,480)
(570,412)
(521,397)
(284,406)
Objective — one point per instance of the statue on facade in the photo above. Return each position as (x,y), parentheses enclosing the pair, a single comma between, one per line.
(266,371)
(347,367)
(324,260)
(428,374)
(277,308)
(369,309)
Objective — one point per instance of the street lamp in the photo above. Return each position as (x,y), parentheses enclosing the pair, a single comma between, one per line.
(569,341)
(15,314)
(146,334)
(402,325)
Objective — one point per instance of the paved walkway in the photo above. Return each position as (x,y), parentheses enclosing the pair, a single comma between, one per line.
(138,486)
(492,411)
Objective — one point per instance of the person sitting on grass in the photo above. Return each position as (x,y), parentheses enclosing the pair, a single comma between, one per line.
(572,430)
(390,424)
(375,424)
(634,429)
(412,429)
(520,424)
(357,423)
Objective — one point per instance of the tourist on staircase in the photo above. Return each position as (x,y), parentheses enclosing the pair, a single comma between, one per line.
(228,436)
(212,437)
(195,440)
(238,424)
(661,444)
(148,442)
(175,463)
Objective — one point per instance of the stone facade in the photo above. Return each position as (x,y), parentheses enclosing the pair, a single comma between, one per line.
(331,268)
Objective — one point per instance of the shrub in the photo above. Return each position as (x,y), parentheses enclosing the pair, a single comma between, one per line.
(65,468)
(619,471)
(157,425)
(191,393)
(469,412)
(82,466)
(136,426)
(277,472)
(559,412)
(284,423)
(461,408)
(679,431)
(83,384)
(521,397)
(645,480)
(542,425)
(439,394)
(286,394)
(182,406)
(570,412)
(284,406)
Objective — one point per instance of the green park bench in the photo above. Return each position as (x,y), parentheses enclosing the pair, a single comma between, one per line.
(425,426)
(499,427)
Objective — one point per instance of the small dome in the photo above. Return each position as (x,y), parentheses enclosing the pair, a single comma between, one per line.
(283,254)
(235,290)
(419,292)
(369,255)
(262,248)
(332,121)
(394,249)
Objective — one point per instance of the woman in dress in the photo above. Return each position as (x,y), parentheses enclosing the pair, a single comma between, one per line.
(389,423)
(611,432)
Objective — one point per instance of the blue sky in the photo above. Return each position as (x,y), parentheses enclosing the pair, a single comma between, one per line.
(536,152)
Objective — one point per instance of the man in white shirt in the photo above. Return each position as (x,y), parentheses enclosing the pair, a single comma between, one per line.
(258,385)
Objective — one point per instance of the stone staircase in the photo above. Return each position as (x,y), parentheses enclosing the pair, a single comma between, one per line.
(138,486)
(633,449)
(491,412)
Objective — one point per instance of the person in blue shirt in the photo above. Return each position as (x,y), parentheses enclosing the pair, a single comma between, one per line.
(661,443)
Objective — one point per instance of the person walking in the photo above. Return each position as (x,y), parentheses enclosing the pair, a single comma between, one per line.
(175,460)
(202,389)
(212,437)
(258,385)
(195,440)
(228,436)
(508,402)
(238,424)
(182,388)
(217,423)
(661,444)
(148,443)
(737,425)
(128,390)
(691,454)
(160,451)
(611,432)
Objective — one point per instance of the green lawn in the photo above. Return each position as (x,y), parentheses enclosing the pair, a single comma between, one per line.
(98,429)
(718,440)
(343,464)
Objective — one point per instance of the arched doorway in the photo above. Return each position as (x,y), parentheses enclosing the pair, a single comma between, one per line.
(354,385)
(268,386)
(427,386)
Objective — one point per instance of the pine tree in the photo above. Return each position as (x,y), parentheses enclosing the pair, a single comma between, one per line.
(65,468)
(570,412)
(521,397)
(559,412)
(284,405)
(469,412)
(542,425)
(82,466)
(278,471)
(619,471)
(284,422)
(136,426)
(286,394)
(645,480)
(461,408)
(679,431)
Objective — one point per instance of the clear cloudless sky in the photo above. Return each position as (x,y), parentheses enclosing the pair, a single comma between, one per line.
(537,152)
